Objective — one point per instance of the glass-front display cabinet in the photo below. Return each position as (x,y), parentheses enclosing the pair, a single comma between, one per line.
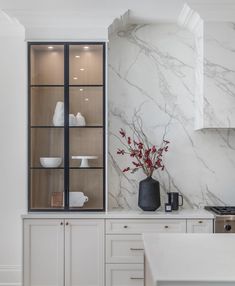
(66,86)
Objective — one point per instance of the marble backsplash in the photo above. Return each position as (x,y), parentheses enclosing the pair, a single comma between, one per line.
(152,80)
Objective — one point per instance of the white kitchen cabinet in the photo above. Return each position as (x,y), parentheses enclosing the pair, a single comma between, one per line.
(63,252)
(124,275)
(199,226)
(139,226)
(84,252)
(43,252)
(124,248)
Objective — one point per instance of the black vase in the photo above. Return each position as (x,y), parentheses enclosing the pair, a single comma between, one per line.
(149,194)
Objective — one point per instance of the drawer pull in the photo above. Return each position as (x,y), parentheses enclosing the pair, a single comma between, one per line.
(200,221)
(166,226)
(125,226)
(137,278)
(136,249)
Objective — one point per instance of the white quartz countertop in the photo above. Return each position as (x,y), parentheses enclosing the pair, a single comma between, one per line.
(190,257)
(181,214)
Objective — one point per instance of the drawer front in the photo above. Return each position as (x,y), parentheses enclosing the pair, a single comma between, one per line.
(124,248)
(200,226)
(125,275)
(128,226)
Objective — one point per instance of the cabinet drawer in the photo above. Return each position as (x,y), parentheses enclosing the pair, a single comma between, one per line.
(200,225)
(124,249)
(125,275)
(142,226)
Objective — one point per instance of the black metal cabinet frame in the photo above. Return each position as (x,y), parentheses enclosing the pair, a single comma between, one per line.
(66,126)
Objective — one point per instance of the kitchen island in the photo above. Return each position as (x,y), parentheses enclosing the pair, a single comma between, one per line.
(189,259)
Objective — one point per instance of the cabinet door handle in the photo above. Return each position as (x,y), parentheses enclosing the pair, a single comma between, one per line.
(67,223)
(137,278)
(61,223)
(125,226)
(200,221)
(166,226)
(136,249)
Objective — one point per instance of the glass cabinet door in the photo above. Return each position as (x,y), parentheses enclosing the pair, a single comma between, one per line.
(66,126)
(46,126)
(86,132)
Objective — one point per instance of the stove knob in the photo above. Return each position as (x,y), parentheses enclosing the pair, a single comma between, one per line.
(227,227)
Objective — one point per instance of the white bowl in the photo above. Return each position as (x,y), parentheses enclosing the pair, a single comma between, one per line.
(50,162)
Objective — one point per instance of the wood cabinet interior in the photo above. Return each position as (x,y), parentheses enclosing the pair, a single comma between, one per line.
(89,102)
(86,65)
(47,65)
(86,142)
(90,182)
(43,183)
(43,102)
(46,142)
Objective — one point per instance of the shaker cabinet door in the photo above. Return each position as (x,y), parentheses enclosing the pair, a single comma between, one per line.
(84,252)
(43,252)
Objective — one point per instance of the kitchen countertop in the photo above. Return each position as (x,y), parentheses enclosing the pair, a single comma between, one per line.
(181,214)
(189,259)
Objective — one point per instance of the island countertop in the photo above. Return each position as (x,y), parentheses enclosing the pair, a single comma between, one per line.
(189,259)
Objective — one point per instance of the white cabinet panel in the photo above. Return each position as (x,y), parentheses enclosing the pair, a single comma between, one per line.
(124,275)
(43,252)
(124,248)
(200,226)
(140,226)
(84,252)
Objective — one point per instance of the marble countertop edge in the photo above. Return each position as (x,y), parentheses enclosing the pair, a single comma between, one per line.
(121,214)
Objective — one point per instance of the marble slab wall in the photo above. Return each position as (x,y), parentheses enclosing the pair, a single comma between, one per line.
(152,83)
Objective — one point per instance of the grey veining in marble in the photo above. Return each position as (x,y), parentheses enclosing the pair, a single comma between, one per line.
(152,77)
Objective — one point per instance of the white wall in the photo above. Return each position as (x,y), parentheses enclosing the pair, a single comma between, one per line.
(13,148)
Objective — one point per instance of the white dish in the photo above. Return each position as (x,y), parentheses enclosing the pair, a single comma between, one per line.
(50,162)
(84,162)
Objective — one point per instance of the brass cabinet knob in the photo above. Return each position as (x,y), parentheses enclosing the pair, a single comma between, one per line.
(67,223)
(200,221)
(61,223)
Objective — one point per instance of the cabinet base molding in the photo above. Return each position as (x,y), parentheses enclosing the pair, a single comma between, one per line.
(10,275)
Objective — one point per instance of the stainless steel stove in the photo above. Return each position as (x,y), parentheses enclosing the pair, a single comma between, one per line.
(224,218)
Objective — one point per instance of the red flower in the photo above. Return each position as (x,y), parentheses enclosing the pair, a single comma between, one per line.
(158,163)
(126,170)
(147,152)
(120,152)
(140,145)
(149,163)
(122,132)
(154,150)
(129,140)
(140,155)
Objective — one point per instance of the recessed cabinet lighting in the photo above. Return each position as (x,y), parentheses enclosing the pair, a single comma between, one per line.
(86,48)
(86,99)
(77,56)
(81,89)
(82,69)
(50,48)
(75,78)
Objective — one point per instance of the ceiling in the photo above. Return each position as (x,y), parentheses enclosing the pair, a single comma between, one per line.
(89,19)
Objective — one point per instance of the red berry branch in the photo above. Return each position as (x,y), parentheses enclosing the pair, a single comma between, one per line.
(148,158)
